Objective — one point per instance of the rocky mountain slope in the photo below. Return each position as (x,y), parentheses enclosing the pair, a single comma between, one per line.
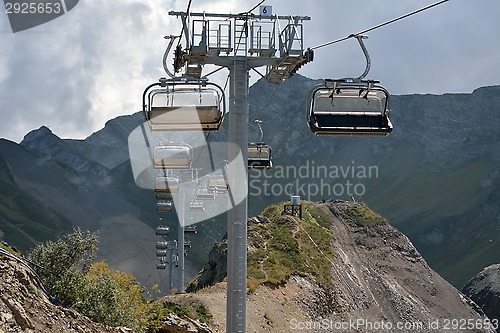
(340,268)
(436,177)
(484,290)
(25,308)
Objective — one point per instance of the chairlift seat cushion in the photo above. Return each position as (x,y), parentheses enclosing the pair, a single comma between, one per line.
(350,124)
(193,118)
(259,164)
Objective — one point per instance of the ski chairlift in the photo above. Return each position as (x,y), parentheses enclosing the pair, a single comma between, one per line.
(196,205)
(202,193)
(218,185)
(161,245)
(162,231)
(164,196)
(199,105)
(349,107)
(164,206)
(190,229)
(172,156)
(161,253)
(170,184)
(259,154)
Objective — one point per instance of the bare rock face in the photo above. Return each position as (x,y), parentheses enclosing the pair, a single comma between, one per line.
(380,277)
(484,290)
(175,324)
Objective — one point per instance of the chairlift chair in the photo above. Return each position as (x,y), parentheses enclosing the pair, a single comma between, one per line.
(172,156)
(162,231)
(349,108)
(161,253)
(198,105)
(196,205)
(169,184)
(164,206)
(202,193)
(259,154)
(218,185)
(161,245)
(190,229)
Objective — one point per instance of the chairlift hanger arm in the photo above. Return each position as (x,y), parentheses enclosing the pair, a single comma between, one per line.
(259,122)
(167,52)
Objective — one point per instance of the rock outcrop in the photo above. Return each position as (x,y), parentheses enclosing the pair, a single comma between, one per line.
(377,280)
(484,290)
(25,307)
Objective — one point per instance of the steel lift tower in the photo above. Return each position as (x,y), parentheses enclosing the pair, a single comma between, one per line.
(239,42)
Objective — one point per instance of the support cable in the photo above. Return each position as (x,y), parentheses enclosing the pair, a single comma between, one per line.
(380,25)
(265,104)
(257,5)
(187,14)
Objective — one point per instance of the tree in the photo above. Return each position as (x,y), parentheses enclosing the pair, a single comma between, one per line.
(63,264)
(106,296)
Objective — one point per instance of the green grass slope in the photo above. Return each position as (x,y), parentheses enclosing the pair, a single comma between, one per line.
(23,220)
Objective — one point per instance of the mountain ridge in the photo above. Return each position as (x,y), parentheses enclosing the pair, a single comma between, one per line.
(374,276)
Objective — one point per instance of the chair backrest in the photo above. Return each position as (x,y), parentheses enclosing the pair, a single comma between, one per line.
(167,184)
(172,157)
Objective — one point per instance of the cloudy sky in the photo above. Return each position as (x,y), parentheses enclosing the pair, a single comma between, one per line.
(90,65)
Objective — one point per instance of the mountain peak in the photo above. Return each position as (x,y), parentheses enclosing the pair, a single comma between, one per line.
(43,133)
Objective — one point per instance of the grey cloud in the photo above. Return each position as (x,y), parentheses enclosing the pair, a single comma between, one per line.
(74,73)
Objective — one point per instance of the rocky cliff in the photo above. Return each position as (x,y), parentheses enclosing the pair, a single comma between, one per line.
(367,277)
(24,307)
(484,290)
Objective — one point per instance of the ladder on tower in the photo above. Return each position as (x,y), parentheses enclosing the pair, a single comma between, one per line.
(240,38)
